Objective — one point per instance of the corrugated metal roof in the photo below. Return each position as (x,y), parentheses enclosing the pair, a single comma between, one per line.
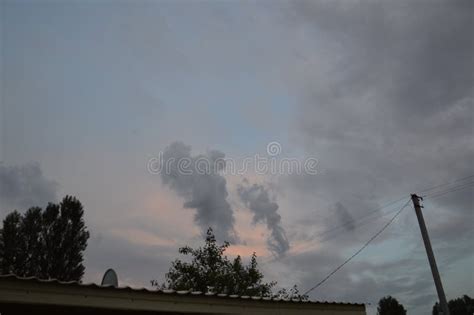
(173,292)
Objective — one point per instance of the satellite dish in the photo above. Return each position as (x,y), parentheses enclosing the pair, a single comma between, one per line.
(110,278)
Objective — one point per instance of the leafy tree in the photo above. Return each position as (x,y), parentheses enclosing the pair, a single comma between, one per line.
(30,242)
(11,244)
(293,293)
(390,306)
(47,244)
(460,306)
(210,270)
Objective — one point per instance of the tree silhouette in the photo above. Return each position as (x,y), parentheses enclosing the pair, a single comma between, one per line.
(390,306)
(47,244)
(211,270)
(293,293)
(460,306)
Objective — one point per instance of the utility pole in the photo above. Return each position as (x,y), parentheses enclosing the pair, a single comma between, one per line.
(429,252)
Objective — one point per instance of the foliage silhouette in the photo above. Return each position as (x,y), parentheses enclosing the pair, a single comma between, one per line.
(46,244)
(390,306)
(460,306)
(211,271)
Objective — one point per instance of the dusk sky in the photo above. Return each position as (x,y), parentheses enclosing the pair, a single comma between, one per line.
(380,93)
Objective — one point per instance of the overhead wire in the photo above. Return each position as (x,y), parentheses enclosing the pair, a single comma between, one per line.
(360,249)
(367,216)
(445,184)
(450,190)
(348,223)
(360,224)
(326,232)
(431,195)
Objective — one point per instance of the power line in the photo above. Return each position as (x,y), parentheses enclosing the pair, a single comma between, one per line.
(348,223)
(360,250)
(275,258)
(450,190)
(369,220)
(431,195)
(446,184)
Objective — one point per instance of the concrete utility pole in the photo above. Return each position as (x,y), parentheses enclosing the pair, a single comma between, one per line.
(429,252)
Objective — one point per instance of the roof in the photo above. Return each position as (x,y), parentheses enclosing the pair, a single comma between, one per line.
(34,292)
(170,292)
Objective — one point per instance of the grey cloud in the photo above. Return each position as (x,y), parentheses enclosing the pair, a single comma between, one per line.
(330,194)
(257,199)
(204,191)
(457,204)
(344,216)
(419,54)
(402,88)
(393,111)
(386,93)
(363,281)
(387,109)
(25,186)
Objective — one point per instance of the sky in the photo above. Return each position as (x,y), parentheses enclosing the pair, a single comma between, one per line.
(379,93)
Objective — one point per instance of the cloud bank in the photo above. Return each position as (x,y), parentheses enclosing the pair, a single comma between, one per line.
(25,186)
(206,192)
(257,199)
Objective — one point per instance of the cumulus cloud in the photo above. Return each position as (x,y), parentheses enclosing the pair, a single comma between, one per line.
(385,103)
(397,104)
(25,186)
(380,92)
(257,199)
(344,216)
(203,189)
(408,279)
